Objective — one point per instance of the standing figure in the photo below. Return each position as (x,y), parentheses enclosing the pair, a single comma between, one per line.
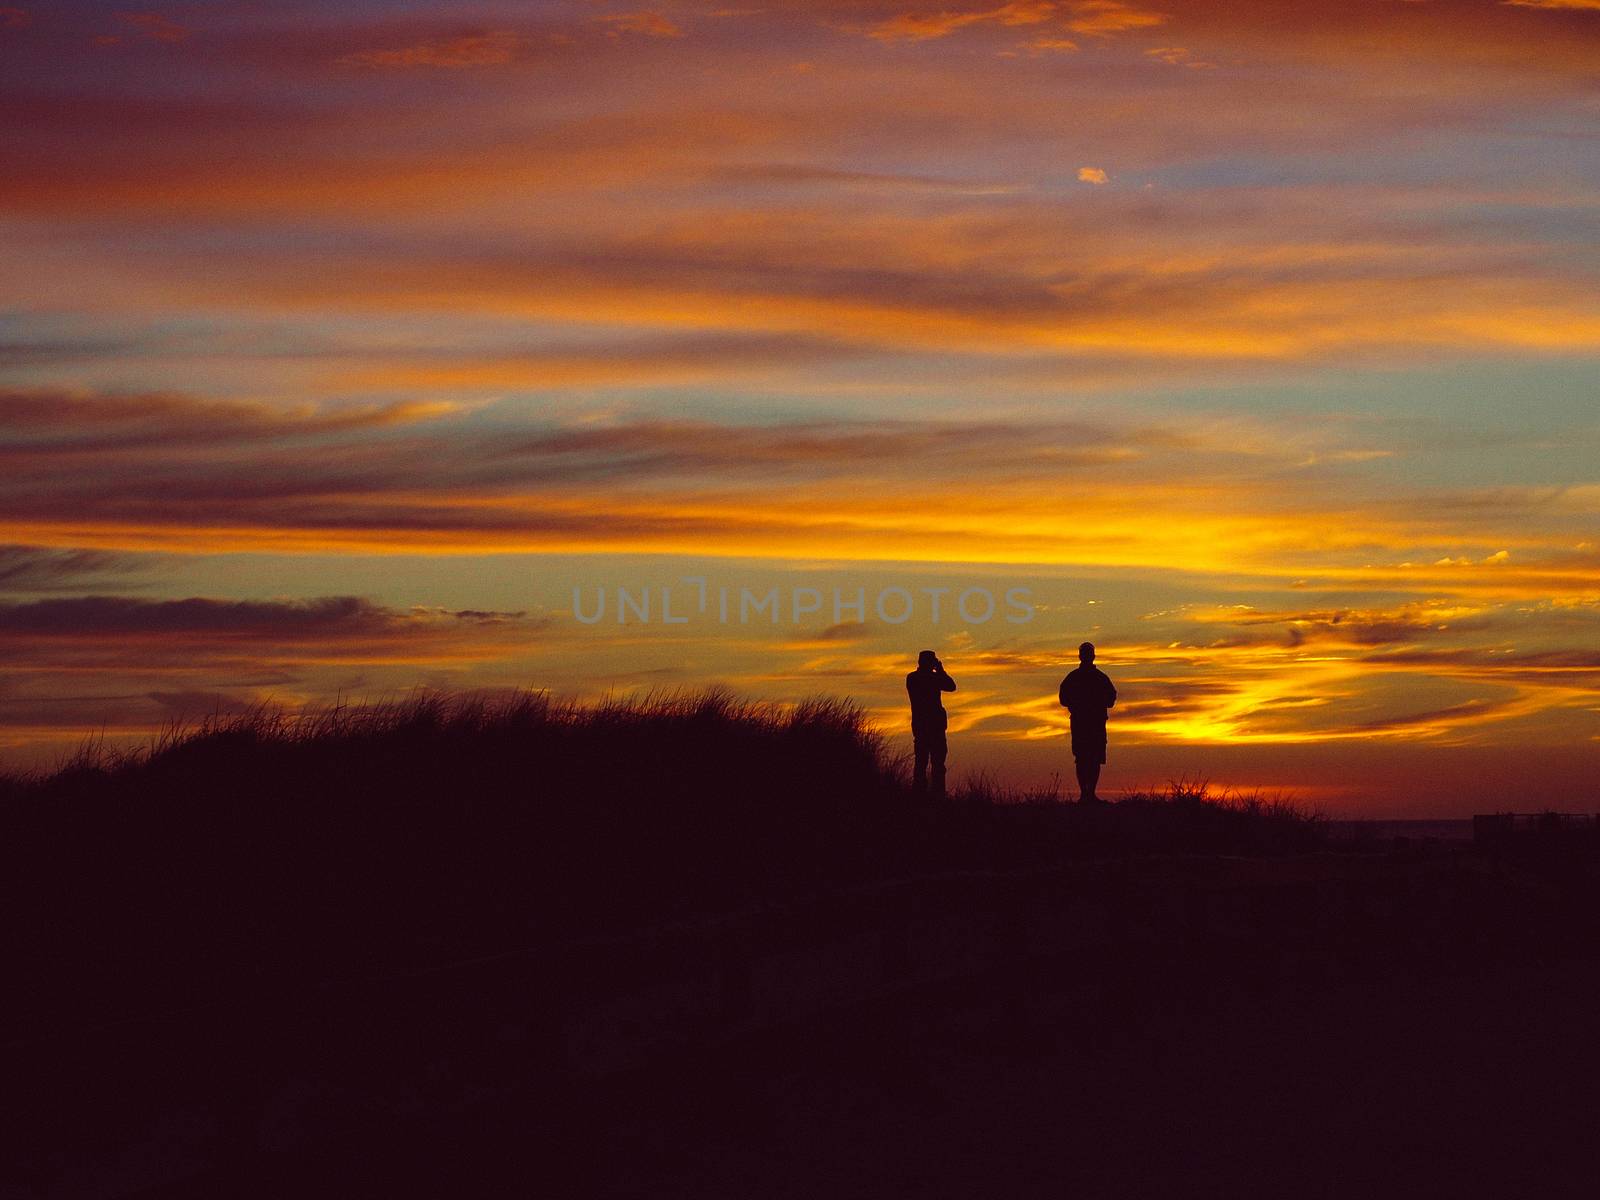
(1087,695)
(928,719)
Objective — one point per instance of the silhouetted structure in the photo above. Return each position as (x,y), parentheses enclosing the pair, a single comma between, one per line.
(1087,695)
(928,719)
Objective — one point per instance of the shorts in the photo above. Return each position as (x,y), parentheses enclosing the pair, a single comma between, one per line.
(1089,744)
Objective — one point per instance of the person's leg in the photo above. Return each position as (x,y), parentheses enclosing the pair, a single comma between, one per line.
(1090,778)
(939,750)
(919,780)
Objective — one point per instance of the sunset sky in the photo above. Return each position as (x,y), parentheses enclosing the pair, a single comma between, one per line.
(339,342)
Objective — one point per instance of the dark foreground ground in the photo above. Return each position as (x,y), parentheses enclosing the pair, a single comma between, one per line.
(697,948)
(1019,1087)
(1414,1022)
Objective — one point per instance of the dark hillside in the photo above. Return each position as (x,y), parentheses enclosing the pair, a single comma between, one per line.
(693,945)
(441,828)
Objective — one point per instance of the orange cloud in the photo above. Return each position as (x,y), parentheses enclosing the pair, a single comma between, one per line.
(920,27)
(953,283)
(1098,18)
(1257,693)
(472,50)
(167,474)
(1101,18)
(651,24)
(1177,56)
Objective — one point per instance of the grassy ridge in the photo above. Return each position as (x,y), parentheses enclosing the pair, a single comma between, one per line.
(355,838)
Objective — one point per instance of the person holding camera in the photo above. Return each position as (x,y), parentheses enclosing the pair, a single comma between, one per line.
(925,686)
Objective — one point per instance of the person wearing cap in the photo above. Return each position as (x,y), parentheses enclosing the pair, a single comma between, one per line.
(1087,695)
(925,685)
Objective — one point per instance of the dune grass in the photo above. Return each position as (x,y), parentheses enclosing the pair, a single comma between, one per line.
(441,826)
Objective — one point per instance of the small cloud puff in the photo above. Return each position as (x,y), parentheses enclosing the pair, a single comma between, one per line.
(1092,175)
(1101,18)
(1178,56)
(651,24)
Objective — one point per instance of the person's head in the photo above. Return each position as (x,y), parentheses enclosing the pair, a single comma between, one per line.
(927,660)
(1086,652)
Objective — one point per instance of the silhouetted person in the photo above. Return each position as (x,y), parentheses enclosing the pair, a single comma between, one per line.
(928,719)
(1087,695)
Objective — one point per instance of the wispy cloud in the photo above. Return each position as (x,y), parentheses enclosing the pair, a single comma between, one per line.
(50,569)
(1178,56)
(647,22)
(1591,5)
(171,474)
(926,26)
(1101,18)
(147,638)
(1097,18)
(155,27)
(469,50)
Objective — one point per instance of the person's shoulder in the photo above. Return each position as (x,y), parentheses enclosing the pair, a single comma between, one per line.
(911,677)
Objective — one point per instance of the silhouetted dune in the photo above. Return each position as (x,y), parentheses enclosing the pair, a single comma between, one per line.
(441,827)
(435,942)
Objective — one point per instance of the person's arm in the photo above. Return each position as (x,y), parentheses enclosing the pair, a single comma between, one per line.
(1111,694)
(946,684)
(1061,693)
